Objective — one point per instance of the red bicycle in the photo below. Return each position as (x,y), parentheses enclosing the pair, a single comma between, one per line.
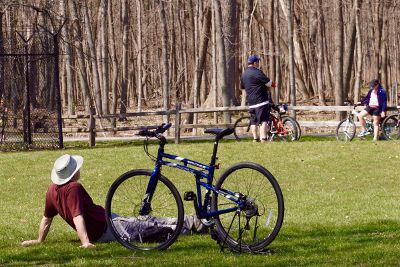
(282,126)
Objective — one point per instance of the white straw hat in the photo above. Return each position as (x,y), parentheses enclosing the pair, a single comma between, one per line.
(64,168)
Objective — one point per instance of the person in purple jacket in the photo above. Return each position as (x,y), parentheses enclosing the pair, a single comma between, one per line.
(376,101)
(256,84)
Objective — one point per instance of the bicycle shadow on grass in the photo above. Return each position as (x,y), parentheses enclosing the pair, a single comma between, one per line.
(374,243)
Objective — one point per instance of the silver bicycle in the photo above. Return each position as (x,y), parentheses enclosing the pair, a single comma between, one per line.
(346,129)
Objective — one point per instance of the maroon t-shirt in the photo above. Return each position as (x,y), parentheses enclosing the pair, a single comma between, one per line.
(71,200)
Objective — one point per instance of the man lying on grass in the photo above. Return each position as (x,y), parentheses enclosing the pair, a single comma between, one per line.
(68,198)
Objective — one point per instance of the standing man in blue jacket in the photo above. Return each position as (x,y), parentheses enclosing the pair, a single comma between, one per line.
(376,101)
(256,84)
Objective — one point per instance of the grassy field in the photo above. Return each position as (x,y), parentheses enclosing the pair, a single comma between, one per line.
(341,199)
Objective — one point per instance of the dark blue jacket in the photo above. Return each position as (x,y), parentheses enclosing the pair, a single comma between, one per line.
(254,81)
(382,98)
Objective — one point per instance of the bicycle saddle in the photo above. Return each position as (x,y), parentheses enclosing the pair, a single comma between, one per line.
(220,132)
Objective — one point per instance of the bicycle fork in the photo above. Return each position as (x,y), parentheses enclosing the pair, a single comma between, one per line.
(145,208)
(346,128)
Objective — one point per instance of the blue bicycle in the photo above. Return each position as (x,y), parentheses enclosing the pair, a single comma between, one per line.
(244,208)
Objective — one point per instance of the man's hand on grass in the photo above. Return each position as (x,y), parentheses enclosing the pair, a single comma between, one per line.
(28,243)
(87,245)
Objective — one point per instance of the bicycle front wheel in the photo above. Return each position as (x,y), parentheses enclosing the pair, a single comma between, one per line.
(242,129)
(156,230)
(390,127)
(346,130)
(254,226)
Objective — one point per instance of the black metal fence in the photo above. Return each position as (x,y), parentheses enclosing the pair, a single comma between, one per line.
(30,112)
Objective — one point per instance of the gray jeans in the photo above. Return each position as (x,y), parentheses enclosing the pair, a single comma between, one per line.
(132,224)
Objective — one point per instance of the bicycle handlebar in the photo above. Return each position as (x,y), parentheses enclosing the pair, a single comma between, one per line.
(154,133)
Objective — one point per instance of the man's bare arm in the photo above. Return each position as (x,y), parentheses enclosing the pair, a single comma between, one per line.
(82,232)
(44,228)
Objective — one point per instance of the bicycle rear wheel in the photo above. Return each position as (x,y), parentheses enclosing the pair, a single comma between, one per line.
(254,226)
(242,129)
(290,126)
(390,127)
(346,130)
(298,128)
(156,230)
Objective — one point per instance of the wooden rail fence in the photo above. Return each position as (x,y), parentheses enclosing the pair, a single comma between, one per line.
(92,127)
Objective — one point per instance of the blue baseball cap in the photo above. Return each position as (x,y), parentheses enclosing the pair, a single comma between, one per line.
(373,83)
(252,59)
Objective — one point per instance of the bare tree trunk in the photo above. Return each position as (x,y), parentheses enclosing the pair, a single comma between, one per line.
(183,56)
(201,62)
(300,55)
(125,47)
(1,59)
(378,38)
(139,55)
(339,40)
(357,82)
(114,62)
(291,58)
(172,56)
(80,56)
(164,56)
(349,52)
(68,62)
(320,56)
(384,76)
(221,59)
(230,33)
(214,66)
(93,60)
(103,63)
(248,6)
(272,45)
(294,39)
(277,50)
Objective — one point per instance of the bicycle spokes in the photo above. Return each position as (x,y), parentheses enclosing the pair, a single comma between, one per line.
(259,214)
(248,227)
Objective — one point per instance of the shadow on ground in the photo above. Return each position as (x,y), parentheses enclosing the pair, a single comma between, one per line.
(374,243)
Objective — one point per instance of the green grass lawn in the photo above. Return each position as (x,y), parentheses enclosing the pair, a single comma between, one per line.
(342,204)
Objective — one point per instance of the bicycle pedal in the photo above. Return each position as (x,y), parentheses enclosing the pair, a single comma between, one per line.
(189,196)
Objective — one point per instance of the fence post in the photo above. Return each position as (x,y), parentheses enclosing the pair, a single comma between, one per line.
(92,127)
(177,123)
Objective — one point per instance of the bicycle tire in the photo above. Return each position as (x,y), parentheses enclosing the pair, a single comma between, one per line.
(125,198)
(390,127)
(345,130)
(290,126)
(265,196)
(242,128)
(298,128)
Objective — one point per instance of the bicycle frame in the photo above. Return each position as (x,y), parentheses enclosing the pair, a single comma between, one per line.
(369,126)
(278,124)
(207,172)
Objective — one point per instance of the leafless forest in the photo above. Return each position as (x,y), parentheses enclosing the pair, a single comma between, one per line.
(120,55)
